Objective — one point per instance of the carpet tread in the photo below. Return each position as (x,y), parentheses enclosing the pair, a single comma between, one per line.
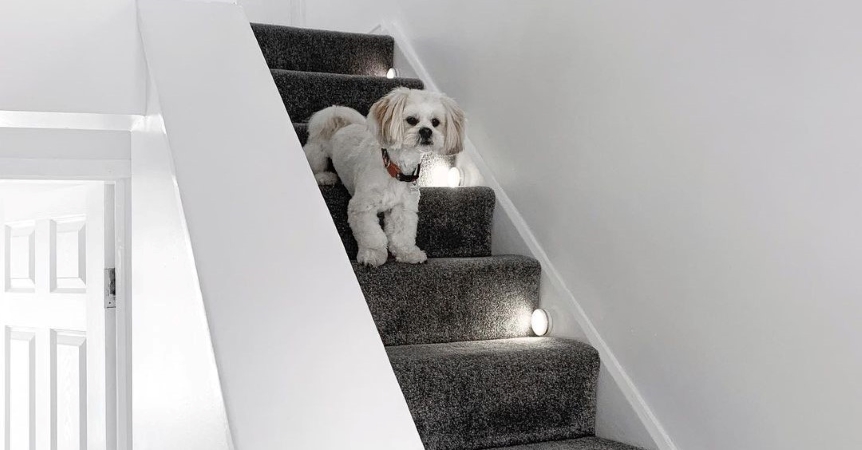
(453,222)
(481,394)
(588,443)
(305,93)
(452,299)
(324,51)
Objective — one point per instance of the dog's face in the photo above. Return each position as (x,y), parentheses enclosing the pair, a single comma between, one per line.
(411,119)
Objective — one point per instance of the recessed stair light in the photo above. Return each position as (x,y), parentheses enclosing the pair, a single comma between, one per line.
(392,73)
(454,177)
(541,322)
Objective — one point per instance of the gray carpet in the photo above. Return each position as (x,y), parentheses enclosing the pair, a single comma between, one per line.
(301,132)
(452,222)
(324,51)
(590,443)
(455,327)
(452,299)
(479,394)
(305,93)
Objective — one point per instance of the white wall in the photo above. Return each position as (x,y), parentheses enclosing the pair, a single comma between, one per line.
(299,357)
(282,12)
(64,153)
(71,86)
(692,171)
(342,15)
(176,395)
(64,144)
(62,56)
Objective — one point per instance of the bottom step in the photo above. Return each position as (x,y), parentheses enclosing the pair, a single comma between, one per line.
(590,443)
(483,394)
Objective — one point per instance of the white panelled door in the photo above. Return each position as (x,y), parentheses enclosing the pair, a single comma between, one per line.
(52,317)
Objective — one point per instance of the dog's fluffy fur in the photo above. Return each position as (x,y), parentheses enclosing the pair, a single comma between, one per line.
(397,123)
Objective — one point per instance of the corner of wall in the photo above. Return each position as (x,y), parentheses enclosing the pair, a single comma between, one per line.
(168,309)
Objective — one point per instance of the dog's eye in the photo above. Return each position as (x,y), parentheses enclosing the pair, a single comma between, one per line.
(412,121)
(435,123)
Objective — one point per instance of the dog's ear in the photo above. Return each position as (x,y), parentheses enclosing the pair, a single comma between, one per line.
(386,117)
(456,127)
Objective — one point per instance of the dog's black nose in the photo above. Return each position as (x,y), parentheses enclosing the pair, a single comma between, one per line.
(425,133)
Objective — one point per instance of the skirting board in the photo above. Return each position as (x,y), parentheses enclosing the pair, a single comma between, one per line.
(609,360)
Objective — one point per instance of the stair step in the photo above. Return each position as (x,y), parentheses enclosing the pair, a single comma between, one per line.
(324,51)
(481,394)
(305,93)
(590,443)
(453,222)
(452,299)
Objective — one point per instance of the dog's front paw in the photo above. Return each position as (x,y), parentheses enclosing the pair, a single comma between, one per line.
(411,256)
(372,256)
(326,178)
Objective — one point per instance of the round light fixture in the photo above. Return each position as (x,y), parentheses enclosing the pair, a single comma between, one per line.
(439,173)
(392,73)
(541,322)
(454,177)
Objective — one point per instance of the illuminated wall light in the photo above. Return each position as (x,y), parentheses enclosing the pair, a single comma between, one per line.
(439,171)
(454,177)
(392,73)
(541,322)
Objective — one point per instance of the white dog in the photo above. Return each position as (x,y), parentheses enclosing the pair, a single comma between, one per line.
(378,160)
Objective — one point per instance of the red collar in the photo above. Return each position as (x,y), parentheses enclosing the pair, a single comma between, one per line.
(395,171)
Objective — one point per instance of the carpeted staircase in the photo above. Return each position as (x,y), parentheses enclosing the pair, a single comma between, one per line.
(457,329)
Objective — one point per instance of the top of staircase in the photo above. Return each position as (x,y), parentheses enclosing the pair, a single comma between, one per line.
(309,50)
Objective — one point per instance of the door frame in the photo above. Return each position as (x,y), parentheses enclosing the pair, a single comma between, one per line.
(122,319)
(118,320)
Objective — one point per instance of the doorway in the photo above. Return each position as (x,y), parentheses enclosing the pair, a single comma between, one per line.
(58,371)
